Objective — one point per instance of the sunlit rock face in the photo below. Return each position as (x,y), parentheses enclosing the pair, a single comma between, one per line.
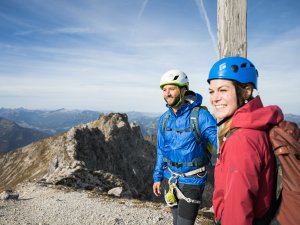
(101,155)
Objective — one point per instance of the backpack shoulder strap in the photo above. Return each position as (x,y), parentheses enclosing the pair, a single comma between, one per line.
(230,132)
(165,121)
(194,121)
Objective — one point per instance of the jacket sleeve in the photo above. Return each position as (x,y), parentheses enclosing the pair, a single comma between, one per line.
(158,169)
(208,127)
(241,166)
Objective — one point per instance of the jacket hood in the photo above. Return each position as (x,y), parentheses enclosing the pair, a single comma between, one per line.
(254,115)
(192,98)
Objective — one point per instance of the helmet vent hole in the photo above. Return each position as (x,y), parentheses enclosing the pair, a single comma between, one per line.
(176,77)
(251,65)
(234,68)
(244,65)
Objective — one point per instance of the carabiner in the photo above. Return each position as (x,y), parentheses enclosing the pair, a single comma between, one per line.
(173,179)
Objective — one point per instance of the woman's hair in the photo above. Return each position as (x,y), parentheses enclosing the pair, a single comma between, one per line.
(225,127)
(240,93)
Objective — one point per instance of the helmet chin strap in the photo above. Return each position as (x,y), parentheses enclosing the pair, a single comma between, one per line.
(179,99)
(223,120)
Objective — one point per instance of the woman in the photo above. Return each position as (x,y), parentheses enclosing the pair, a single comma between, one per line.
(245,169)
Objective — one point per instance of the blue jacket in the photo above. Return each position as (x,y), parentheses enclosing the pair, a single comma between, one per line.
(181,147)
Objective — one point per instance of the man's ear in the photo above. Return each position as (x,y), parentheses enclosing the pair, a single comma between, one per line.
(183,90)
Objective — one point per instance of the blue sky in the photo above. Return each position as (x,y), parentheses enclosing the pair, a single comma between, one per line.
(110,54)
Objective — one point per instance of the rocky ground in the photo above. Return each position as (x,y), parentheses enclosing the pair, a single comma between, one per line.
(39,204)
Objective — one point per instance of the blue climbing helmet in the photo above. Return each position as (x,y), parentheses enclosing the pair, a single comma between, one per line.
(234,68)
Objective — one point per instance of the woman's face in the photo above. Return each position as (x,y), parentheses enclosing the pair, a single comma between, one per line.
(223,98)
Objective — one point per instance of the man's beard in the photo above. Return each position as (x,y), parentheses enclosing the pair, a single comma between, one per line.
(176,101)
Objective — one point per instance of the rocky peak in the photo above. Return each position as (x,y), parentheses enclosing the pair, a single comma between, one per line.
(102,155)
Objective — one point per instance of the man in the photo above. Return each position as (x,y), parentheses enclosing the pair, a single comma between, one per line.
(182,155)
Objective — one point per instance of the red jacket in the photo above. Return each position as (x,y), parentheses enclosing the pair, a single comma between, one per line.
(244,172)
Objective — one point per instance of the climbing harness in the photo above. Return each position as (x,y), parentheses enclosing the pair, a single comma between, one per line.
(174,192)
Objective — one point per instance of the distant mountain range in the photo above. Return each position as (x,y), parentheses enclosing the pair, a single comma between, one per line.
(61,120)
(148,122)
(51,122)
(292,117)
(13,136)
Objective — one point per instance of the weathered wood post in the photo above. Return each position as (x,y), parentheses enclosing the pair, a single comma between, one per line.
(232,28)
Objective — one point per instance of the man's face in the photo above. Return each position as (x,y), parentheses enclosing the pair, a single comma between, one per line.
(171,94)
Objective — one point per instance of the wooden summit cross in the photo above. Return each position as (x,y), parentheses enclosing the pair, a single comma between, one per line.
(232,28)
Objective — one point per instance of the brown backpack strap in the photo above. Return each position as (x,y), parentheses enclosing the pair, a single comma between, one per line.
(230,132)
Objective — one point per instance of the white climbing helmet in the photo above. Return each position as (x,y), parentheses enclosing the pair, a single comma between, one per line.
(176,77)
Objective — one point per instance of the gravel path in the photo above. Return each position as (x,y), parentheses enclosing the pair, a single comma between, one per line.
(40,205)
